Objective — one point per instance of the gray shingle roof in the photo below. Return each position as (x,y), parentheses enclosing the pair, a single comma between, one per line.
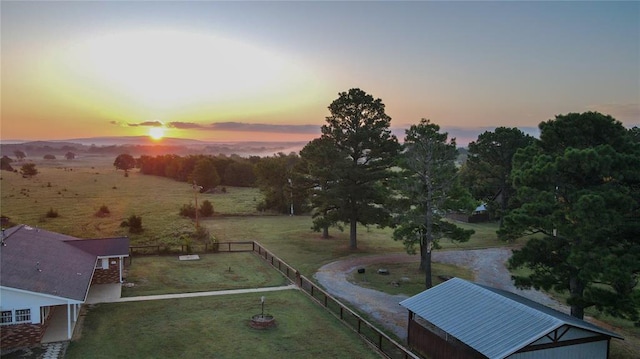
(493,322)
(40,261)
(103,247)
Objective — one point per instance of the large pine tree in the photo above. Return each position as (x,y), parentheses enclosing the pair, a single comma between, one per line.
(359,128)
(580,189)
(427,187)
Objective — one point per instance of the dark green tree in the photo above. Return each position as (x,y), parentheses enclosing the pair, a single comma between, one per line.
(359,128)
(205,174)
(317,175)
(427,188)
(580,189)
(124,162)
(20,155)
(69,155)
(273,175)
(488,168)
(240,174)
(29,169)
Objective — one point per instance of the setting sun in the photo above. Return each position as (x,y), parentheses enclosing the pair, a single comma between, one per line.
(156,133)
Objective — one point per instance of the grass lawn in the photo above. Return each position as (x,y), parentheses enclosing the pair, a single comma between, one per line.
(166,274)
(404,278)
(216,327)
(629,348)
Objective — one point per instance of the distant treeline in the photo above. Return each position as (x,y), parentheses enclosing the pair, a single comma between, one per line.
(233,171)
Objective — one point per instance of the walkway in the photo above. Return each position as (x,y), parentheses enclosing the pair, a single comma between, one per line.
(205,294)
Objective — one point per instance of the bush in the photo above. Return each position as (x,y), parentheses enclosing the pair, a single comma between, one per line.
(52,213)
(206,209)
(134,223)
(188,210)
(49,157)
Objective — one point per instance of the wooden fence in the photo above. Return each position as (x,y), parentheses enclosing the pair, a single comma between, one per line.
(387,346)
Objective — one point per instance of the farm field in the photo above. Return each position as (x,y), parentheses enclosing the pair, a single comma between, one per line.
(77,189)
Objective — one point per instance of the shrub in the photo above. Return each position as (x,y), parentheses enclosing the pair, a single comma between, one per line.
(135,224)
(28,170)
(188,210)
(49,157)
(206,209)
(52,213)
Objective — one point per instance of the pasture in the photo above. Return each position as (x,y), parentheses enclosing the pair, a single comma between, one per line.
(76,190)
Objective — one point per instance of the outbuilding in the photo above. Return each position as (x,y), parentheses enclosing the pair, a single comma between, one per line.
(461,319)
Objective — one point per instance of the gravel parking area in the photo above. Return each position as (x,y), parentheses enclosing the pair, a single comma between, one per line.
(488,266)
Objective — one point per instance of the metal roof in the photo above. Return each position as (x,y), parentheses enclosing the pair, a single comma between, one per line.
(493,322)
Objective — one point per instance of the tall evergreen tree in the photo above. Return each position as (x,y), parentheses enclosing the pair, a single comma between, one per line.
(580,189)
(427,188)
(318,176)
(359,128)
(488,167)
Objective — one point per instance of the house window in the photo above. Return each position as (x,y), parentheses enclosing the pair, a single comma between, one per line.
(23,315)
(7,317)
(102,263)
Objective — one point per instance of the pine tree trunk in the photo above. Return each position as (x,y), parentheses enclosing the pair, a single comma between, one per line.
(426,258)
(353,244)
(576,289)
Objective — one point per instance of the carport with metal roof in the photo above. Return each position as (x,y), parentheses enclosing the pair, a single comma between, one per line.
(461,319)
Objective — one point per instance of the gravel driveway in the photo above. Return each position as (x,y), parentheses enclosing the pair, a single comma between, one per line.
(488,266)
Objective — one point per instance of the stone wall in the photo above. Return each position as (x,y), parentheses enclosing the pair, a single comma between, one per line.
(106,276)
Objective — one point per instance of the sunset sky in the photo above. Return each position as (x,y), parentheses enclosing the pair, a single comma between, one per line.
(246,71)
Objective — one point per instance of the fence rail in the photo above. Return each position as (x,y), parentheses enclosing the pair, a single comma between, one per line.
(381,341)
(387,346)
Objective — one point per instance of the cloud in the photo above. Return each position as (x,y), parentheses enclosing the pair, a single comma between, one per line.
(140,124)
(185,125)
(247,127)
(147,124)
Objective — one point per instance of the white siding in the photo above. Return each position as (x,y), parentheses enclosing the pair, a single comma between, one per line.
(594,350)
(11,299)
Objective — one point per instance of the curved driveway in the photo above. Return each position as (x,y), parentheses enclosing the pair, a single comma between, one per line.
(488,266)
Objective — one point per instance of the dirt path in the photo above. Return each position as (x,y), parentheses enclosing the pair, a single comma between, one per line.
(488,266)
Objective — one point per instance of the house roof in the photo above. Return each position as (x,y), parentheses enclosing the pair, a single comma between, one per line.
(45,262)
(103,247)
(496,323)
